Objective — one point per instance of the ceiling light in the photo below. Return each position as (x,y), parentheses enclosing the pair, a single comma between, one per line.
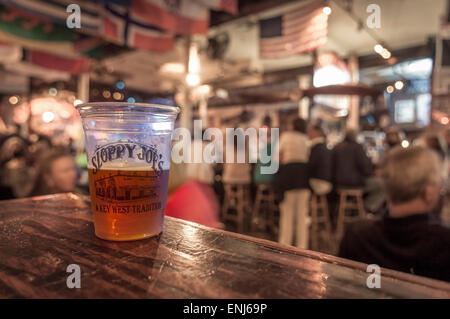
(385,54)
(327,10)
(378,48)
(193,79)
(47,117)
(117,96)
(176,68)
(194,61)
(52,91)
(13,99)
(399,85)
(120,85)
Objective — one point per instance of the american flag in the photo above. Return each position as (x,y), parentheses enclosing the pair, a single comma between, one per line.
(302,29)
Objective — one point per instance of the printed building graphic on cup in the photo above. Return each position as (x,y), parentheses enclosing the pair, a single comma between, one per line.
(125,188)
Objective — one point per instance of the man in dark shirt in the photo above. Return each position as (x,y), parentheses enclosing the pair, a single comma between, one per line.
(405,238)
(351,166)
(320,158)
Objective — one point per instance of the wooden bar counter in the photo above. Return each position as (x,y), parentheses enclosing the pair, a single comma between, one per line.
(41,236)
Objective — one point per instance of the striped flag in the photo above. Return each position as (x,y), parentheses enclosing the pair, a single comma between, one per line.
(298,31)
(59,63)
(123,28)
(56,11)
(178,16)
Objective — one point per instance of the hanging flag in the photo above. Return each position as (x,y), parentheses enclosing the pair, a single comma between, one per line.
(34,32)
(230,6)
(180,17)
(302,29)
(56,11)
(31,70)
(120,27)
(39,33)
(59,63)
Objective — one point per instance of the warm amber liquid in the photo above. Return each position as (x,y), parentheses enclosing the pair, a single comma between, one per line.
(128,204)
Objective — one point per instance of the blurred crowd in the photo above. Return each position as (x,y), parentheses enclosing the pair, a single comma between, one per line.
(405,191)
(33,164)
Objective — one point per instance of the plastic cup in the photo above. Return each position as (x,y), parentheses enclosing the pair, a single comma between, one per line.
(128,147)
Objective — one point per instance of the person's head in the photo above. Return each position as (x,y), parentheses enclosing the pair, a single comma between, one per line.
(56,173)
(315,131)
(350,135)
(436,143)
(393,136)
(447,136)
(412,175)
(299,125)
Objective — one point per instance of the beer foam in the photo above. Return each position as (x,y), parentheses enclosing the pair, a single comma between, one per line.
(130,166)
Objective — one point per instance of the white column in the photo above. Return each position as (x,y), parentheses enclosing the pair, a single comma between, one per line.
(203,111)
(186,107)
(83,87)
(303,105)
(353,112)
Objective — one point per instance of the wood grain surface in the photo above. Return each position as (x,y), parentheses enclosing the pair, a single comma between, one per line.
(41,236)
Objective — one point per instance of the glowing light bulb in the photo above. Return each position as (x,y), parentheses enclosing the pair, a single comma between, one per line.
(117,96)
(192,79)
(13,100)
(47,117)
(106,94)
(378,48)
(399,85)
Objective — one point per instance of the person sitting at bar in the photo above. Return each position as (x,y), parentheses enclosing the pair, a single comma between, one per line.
(291,183)
(194,198)
(405,238)
(56,173)
(351,164)
(237,172)
(320,171)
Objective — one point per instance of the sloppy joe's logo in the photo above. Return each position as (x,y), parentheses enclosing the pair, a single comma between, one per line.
(125,150)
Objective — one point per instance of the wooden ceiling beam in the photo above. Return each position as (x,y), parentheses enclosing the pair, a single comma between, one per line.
(375,60)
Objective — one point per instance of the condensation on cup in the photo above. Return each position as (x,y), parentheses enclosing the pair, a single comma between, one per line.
(128,147)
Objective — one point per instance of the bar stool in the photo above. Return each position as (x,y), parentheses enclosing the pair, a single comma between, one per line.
(319,217)
(347,204)
(264,218)
(237,197)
